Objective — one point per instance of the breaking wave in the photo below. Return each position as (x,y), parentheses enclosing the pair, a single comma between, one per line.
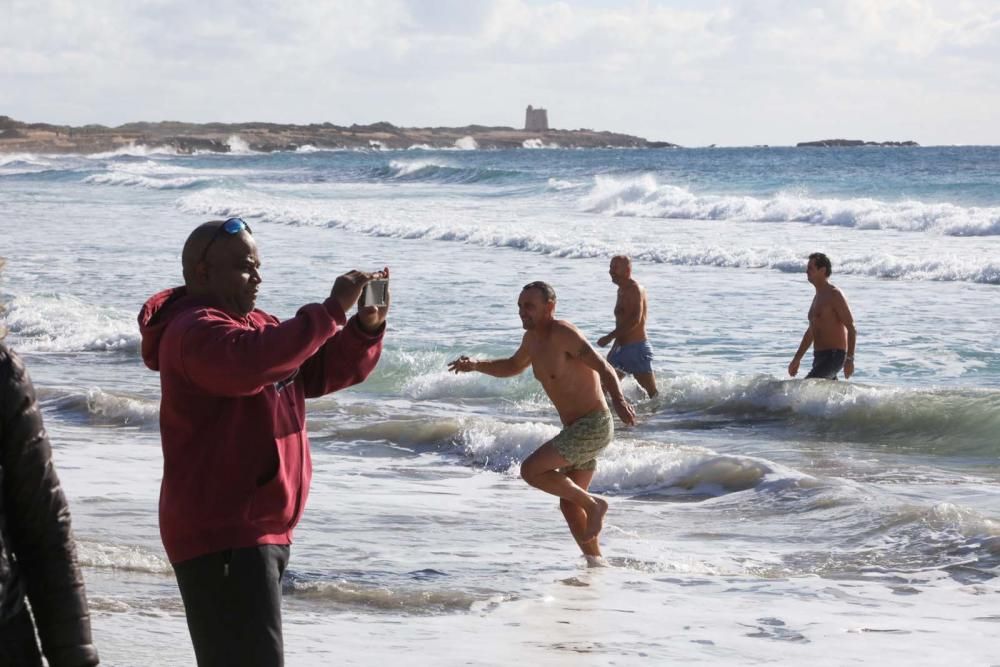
(63,323)
(220,202)
(644,197)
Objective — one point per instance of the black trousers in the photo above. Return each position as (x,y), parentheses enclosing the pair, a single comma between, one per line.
(233,604)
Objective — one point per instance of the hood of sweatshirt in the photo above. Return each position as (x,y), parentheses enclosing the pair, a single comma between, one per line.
(154,317)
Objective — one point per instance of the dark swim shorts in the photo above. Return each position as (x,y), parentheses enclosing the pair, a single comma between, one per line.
(632,358)
(827,363)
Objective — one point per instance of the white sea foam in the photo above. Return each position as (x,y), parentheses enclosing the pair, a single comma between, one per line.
(135,150)
(62,323)
(22,158)
(127,179)
(875,264)
(537,143)
(561,184)
(627,466)
(442,384)
(12,164)
(948,419)
(161,175)
(466,144)
(644,197)
(121,410)
(121,557)
(238,146)
(395,597)
(405,168)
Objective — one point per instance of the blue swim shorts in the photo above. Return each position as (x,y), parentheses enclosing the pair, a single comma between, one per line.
(632,358)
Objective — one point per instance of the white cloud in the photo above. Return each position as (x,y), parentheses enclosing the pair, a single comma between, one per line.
(717,71)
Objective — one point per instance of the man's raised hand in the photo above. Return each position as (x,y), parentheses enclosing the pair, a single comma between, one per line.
(462,365)
(347,288)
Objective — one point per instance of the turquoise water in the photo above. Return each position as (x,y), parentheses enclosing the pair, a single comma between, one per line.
(753,518)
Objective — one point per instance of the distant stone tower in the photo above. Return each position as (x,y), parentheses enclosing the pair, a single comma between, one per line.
(536,120)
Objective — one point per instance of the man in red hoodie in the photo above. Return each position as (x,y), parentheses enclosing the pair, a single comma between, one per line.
(236,465)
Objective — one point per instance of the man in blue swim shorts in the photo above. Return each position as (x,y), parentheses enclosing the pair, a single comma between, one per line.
(831,332)
(631,353)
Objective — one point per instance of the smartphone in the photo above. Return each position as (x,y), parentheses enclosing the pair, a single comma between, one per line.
(374,293)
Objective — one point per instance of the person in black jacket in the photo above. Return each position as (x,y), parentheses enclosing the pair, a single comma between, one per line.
(37,552)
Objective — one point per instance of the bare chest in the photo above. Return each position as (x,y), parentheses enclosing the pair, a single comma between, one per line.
(822,309)
(549,363)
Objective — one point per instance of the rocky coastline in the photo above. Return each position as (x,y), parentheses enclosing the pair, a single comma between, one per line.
(20,137)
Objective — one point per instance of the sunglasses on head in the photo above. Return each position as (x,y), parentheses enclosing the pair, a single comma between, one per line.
(232,226)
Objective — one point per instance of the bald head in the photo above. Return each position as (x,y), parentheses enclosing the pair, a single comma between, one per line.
(621,269)
(220,261)
(195,246)
(200,246)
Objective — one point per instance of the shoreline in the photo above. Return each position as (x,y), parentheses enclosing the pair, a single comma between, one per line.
(186,138)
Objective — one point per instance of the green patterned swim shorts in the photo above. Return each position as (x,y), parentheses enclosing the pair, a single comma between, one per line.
(581,442)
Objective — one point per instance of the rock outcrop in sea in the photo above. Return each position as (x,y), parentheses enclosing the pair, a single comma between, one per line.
(830,143)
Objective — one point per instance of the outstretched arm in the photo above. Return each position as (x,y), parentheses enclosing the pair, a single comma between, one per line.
(500,368)
(807,341)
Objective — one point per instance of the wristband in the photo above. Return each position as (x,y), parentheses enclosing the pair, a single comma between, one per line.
(849,357)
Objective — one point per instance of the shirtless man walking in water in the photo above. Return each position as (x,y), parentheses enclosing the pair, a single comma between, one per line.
(631,352)
(571,373)
(831,329)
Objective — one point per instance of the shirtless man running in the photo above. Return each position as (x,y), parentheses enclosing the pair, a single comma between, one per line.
(631,352)
(831,329)
(571,373)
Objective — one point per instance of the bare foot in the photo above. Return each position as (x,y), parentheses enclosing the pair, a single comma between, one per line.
(595,519)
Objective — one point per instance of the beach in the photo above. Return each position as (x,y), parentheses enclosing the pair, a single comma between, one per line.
(753,518)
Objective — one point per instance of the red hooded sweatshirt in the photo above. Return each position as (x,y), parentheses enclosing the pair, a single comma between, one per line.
(236,465)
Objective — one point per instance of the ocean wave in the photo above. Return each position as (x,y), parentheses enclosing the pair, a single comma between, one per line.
(99,406)
(137,180)
(891,540)
(162,175)
(558,184)
(466,144)
(15,164)
(628,467)
(132,150)
(438,171)
(644,197)
(121,557)
(224,202)
(941,421)
(385,594)
(239,146)
(62,323)
(537,143)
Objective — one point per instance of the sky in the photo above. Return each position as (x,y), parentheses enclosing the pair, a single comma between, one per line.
(692,72)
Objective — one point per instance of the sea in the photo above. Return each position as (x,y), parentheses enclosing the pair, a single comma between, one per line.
(754,518)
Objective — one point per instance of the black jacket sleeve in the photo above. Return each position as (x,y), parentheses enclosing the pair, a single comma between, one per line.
(38,523)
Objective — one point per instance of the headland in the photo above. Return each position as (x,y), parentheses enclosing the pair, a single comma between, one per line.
(18,137)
